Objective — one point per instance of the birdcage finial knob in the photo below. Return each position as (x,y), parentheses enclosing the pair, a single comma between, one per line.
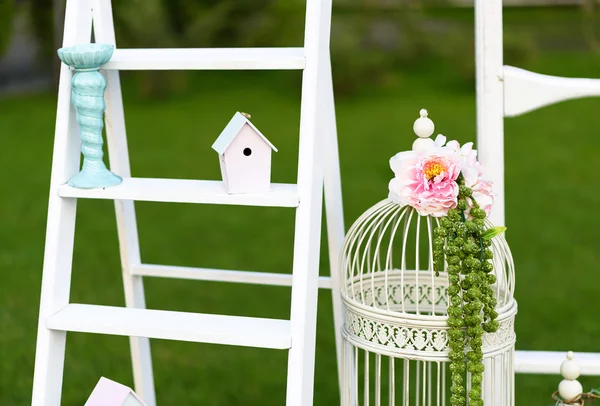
(569,388)
(424,128)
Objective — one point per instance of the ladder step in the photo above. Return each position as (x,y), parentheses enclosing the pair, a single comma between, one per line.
(170,325)
(219,275)
(186,191)
(207,59)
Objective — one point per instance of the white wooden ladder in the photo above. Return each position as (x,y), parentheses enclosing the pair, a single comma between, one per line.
(318,165)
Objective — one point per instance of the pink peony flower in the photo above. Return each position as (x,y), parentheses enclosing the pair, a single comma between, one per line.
(472,171)
(469,167)
(426,181)
(483,195)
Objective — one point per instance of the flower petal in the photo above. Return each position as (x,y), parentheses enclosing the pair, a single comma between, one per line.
(440,140)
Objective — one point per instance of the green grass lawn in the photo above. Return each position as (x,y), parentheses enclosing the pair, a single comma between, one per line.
(552,166)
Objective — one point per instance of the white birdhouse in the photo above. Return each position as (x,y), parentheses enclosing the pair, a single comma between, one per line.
(245,156)
(111,393)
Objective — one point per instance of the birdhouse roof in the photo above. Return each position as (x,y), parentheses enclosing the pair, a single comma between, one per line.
(109,392)
(232,130)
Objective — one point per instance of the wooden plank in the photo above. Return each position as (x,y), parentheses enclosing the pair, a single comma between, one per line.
(170,325)
(490,93)
(129,248)
(522,3)
(220,275)
(207,59)
(301,360)
(333,209)
(400,5)
(525,91)
(60,228)
(186,191)
(548,362)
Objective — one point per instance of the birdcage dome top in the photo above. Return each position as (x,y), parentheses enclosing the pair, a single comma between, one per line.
(394,298)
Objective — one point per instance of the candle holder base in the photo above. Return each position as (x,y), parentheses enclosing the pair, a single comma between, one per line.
(103,179)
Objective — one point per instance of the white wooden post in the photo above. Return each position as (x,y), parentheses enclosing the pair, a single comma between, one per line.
(301,363)
(60,229)
(490,94)
(118,153)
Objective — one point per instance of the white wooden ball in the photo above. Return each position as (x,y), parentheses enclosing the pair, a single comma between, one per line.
(570,369)
(423,126)
(569,389)
(422,144)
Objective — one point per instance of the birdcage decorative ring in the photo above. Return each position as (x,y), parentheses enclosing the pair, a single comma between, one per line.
(397,345)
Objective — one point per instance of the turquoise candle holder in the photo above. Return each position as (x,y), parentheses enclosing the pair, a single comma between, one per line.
(87,96)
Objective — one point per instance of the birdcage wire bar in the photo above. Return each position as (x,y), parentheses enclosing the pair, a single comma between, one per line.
(419,383)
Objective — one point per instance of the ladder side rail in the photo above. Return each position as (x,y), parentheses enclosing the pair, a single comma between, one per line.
(125,211)
(60,229)
(301,359)
(490,98)
(334,210)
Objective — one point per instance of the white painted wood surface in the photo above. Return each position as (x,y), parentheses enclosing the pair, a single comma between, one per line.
(490,108)
(301,360)
(207,59)
(118,153)
(220,275)
(525,91)
(548,362)
(60,228)
(333,207)
(186,191)
(170,325)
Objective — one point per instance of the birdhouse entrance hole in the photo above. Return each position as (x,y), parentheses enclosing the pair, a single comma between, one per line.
(247,151)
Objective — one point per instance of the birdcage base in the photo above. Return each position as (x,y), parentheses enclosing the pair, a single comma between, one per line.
(378,379)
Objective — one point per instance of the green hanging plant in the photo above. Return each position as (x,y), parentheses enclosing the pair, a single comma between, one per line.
(464,244)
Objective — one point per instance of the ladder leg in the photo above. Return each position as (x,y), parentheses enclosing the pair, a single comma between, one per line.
(125,210)
(333,208)
(60,229)
(128,237)
(301,360)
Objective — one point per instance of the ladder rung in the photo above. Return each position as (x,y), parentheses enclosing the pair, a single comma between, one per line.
(170,325)
(207,59)
(186,191)
(548,362)
(219,275)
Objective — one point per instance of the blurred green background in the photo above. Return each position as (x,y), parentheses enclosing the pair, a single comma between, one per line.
(389,61)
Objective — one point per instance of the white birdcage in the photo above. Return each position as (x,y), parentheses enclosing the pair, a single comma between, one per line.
(395,329)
